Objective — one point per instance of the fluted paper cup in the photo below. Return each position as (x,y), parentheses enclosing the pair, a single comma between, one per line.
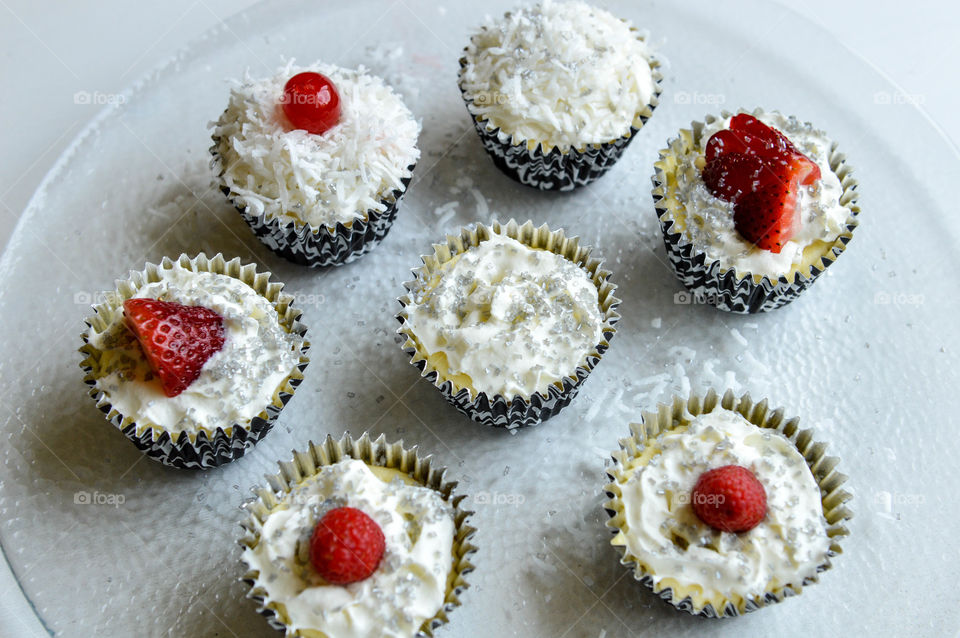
(680,412)
(378,453)
(724,286)
(512,411)
(204,448)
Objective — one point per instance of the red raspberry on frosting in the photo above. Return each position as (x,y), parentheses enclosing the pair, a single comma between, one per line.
(346,546)
(730,499)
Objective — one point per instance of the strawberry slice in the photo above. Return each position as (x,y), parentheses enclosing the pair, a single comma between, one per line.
(726,141)
(749,136)
(763,139)
(759,170)
(176,339)
(732,175)
(768,216)
(805,170)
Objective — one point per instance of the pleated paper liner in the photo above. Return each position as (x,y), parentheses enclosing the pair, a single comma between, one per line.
(377,453)
(527,163)
(205,448)
(681,412)
(726,287)
(514,411)
(315,246)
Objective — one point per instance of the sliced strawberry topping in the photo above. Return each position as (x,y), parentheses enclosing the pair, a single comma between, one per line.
(763,139)
(755,166)
(176,339)
(803,169)
(732,175)
(768,216)
(723,142)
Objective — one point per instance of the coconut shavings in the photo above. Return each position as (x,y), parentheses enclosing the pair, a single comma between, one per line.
(562,74)
(507,318)
(303,178)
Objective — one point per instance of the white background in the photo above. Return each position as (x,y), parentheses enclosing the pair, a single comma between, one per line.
(55,51)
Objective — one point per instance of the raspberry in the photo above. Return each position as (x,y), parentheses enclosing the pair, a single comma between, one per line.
(730,499)
(346,546)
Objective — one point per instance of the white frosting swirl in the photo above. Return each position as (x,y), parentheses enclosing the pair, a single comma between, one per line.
(407,588)
(235,383)
(507,319)
(709,219)
(297,176)
(663,531)
(564,74)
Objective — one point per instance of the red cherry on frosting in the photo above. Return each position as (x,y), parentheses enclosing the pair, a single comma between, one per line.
(311,102)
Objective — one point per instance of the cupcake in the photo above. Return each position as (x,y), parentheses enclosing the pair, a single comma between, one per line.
(557,90)
(316,160)
(722,506)
(194,359)
(753,207)
(357,538)
(507,321)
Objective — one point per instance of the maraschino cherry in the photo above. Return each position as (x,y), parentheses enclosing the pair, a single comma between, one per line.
(311,102)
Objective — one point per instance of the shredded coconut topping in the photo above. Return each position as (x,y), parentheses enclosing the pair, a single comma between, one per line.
(563,74)
(508,319)
(299,177)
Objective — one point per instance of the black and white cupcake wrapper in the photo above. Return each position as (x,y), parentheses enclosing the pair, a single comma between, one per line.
(680,412)
(709,280)
(311,245)
(204,449)
(516,411)
(525,161)
(377,453)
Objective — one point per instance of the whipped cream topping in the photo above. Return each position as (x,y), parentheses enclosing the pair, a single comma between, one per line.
(709,219)
(407,588)
(663,531)
(235,383)
(563,74)
(296,176)
(507,319)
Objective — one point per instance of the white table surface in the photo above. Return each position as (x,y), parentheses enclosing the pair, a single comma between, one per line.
(61,61)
